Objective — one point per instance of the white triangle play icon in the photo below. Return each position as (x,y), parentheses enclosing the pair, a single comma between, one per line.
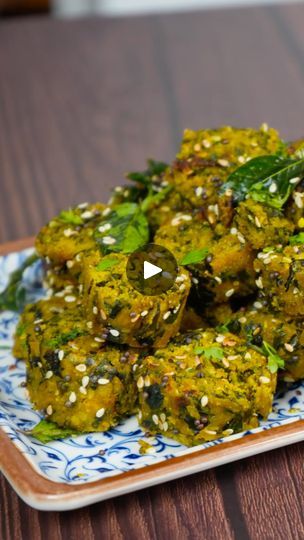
(151,270)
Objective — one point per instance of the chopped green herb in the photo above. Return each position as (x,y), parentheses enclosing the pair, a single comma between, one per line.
(153,171)
(13,296)
(48,431)
(106,263)
(69,216)
(275,361)
(63,339)
(194,257)
(210,352)
(297,239)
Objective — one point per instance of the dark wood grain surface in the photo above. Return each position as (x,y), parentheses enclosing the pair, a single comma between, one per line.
(80,103)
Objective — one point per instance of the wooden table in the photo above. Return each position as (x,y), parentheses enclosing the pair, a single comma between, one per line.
(80,103)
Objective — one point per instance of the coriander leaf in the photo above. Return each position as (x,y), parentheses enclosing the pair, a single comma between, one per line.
(274,359)
(210,352)
(13,296)
(69,216)
(154,170)
(154,198)
(297,239)
(268,179)
(47,431)
(129,230)
(194,257)
(106,263)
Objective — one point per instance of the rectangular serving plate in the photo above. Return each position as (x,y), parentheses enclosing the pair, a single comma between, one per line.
(43,493)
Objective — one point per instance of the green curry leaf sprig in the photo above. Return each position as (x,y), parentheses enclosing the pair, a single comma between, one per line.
(47,431)
(13,296)
(194,257)
(268,179)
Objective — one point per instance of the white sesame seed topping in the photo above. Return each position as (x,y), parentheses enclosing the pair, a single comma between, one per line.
(233,231)
(140,382)
(70,298)
(155,419)
(144,313)
(289,347)
(242,320)
(273,187)
(147,380)
(182,287)
(105,227)
(199,191)
(82,390)
(81,367)
(108,240)
(89,324)
(206,143)
(87,215)
(228,432)
(218,279)
(225,363)
(204,401)
(49,410)
(259,282)
(223,162)
(106,211)
(257,305)
(257,222)
(165,426)
(264,127)
(100,413)
(70,264)
(114,332)
(295,180)
(210,432)
(264,380)
(166,315)
(72,397)
(98,339)
(49,374)
(247,356)
(229,293)
(95,310)
(103,381)
(85,381)
(82,205)
(69,232)
(220,338)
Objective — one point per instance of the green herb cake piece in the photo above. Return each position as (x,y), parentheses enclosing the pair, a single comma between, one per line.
(280,277)
(221,267)
(76,380)
(128,316)
(66,237)
(203,386)
(263,328)
(262,225)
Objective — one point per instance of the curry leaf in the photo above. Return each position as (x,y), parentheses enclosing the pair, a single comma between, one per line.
(127,230)
(13,296)
(153,171)
(268,179)
(47,431)
(194,257)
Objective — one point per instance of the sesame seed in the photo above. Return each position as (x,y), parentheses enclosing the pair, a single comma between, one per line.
(242,320)
(87,215)
(105,227)
(182,287)
(165,426)
(114,332)
(98,339)
(95,310)
(199,191)
(204,401)
(195,281)
(49,410)
(166,315)
(81,367)
(72,397)
(247,356)
(135,318)
(218,279)
(206,143)
(103,314)
(258,305)
(82,205)
(273,188)
(70,264)
(295,180)
(241,159)
(264,127)
(100,413)
(289,347)
(259,282)
(106,211)
(103,381)
(257,222)
(108,240)
(229,293)
(223,162)
(89,324)
(220,338)
(70,298)
(162,417)
(139,415)
(144,313)
(264,380)
(210,432)
(140,382)
(234,231)
(225,363)
(82,390)
(69,232)
(85,381)
(49,375)
(228,432)
(147,381)
(155,419)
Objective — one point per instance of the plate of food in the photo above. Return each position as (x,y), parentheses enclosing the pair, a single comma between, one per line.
(113,379)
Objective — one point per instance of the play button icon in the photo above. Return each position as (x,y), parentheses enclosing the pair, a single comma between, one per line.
(152,270)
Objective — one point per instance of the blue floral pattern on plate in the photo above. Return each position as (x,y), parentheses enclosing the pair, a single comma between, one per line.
(91,457)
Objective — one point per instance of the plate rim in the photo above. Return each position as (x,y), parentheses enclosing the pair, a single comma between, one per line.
(44,494)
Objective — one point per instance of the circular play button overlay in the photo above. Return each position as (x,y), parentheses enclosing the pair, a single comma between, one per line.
(152,270)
